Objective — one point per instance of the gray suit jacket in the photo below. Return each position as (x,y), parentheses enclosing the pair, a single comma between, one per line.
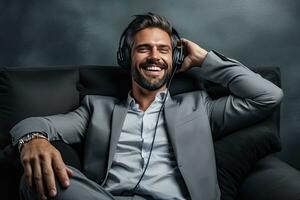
(190,120)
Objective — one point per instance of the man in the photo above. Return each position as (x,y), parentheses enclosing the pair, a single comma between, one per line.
(133,148)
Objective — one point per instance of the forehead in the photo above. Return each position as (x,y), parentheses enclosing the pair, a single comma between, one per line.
(152,36)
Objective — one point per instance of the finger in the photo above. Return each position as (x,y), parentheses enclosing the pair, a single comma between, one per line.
(60,171)
(184,42)
(179,71)
(37,174)
(70,172)
(27,173)
(48,176)
(185,64)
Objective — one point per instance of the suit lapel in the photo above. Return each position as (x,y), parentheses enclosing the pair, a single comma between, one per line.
(118,118)
(170,111)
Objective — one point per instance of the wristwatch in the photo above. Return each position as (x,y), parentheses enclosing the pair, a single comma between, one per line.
(30,136)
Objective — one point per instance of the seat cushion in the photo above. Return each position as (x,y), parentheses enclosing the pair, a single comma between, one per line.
(271,179)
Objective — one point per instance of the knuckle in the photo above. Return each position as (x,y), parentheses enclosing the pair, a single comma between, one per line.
(58,168)
(37,177)
(25,160)
(43,157)
(47,172)
(32,158)
(27,172)
(27,175)
(55,152)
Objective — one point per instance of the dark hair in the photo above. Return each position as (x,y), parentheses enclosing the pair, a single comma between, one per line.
(149,20)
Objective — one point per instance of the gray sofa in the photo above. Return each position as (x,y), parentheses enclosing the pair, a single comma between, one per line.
(246,164)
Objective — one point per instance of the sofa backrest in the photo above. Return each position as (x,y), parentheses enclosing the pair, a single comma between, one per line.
(38,91)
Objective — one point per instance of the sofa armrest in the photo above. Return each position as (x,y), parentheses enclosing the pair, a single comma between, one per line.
(271,179)
(10,173)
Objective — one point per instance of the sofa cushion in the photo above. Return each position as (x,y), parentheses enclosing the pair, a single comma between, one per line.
(30,91)
(116,81)
(273,179)
(238,152)
(107,81)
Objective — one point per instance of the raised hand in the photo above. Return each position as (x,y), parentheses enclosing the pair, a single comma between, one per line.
(195,55)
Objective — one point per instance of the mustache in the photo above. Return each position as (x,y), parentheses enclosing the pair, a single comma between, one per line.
(153,63)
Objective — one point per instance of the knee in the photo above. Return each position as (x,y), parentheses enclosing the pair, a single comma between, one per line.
(27,192)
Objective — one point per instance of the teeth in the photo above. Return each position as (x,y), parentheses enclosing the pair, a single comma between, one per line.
(153,68)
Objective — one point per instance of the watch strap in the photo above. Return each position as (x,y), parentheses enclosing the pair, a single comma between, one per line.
(30,136)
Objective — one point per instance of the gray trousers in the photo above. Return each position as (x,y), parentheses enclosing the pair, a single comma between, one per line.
(80,188)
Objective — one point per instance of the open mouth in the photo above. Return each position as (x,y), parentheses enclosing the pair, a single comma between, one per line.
(153,70)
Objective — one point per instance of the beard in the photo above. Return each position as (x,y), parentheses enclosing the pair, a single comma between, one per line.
(144,82)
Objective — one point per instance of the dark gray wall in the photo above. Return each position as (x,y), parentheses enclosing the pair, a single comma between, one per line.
(257,33)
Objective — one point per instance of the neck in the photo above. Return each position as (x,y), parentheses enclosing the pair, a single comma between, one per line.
(143,96)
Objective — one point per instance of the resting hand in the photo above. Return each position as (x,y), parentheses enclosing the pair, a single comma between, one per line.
(195,55)
(42,162)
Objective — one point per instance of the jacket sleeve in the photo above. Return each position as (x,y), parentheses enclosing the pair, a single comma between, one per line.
(252,97)
(69,127)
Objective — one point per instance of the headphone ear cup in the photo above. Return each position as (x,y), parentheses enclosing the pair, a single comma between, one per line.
(123,57)
(178,56)
(175,58)
(120,58)
(127,59)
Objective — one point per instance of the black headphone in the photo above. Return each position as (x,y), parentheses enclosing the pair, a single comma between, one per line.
(123,54)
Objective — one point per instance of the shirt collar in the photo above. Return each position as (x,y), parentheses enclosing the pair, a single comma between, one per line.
(159,97)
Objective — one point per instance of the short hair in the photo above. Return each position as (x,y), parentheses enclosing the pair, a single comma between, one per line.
(149,20)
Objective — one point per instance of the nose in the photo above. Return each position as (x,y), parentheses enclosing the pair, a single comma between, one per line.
(154,55)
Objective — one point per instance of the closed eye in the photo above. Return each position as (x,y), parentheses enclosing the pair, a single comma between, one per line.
(164,50)
(143,48)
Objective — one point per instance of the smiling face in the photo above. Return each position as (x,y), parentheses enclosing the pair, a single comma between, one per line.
(151,59)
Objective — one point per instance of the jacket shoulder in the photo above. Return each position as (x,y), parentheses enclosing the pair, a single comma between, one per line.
(191,97)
